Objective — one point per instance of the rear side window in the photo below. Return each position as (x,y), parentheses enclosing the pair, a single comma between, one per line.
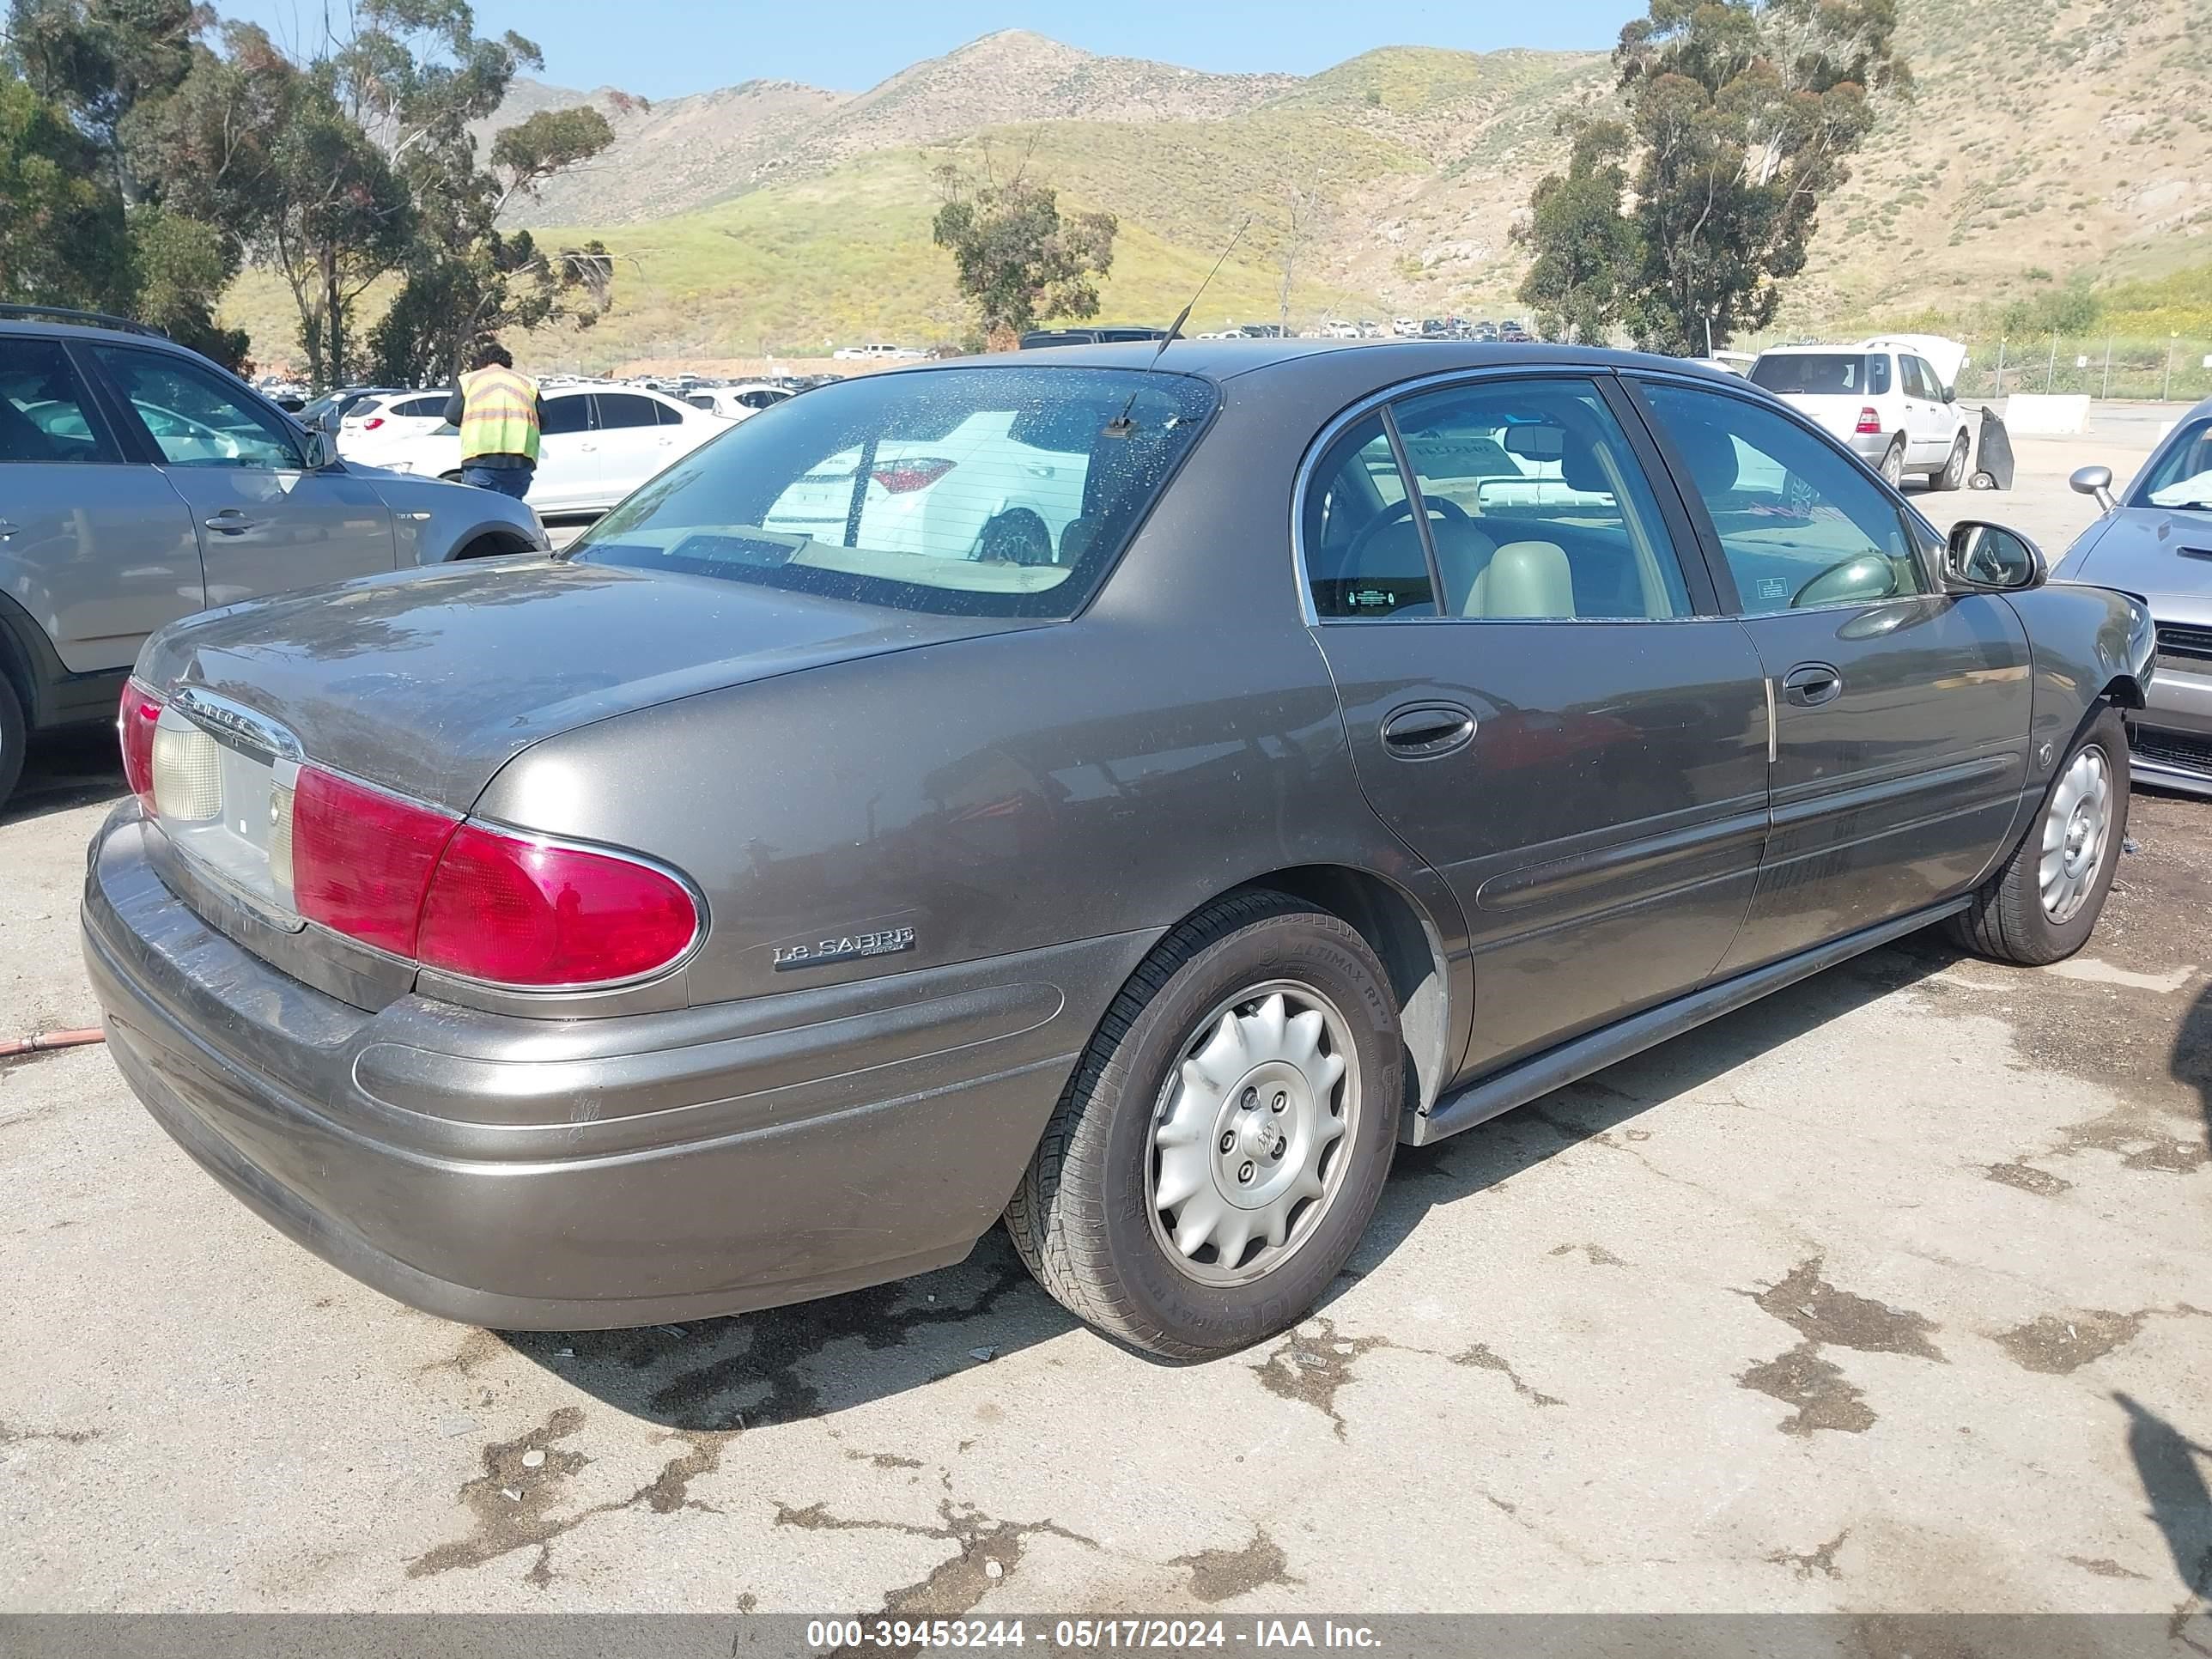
(565,414)
(44,414)
(619,408)
(1363,554)
(667,415)
(997,491)
(422,408)
(702,400)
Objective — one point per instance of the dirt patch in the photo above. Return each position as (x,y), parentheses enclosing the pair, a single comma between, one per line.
(2058,1344)
(1823,1396)
(1598,1255)
(1311,1370)
(1821,1561)
(1482,1358)
(1823,1315)
(12,1435)
(989,1551)
(2104,1567)
(1218,1575)
(2028,1179)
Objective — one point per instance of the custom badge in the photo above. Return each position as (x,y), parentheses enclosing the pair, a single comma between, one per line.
(847,947)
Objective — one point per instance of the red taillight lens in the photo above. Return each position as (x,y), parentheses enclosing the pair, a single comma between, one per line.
(361,859)
(1869,420)
(134,725)
(902,478)
(517,911)
(372,424)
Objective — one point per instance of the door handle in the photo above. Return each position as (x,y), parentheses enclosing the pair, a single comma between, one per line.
(1812,683)
(1425,731)
(230,521)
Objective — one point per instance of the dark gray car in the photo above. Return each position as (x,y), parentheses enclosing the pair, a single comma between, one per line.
(2156,541)
(140,481)
(1126,797)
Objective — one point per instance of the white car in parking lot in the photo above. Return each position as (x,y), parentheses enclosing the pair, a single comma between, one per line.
(598,444)
(380,425)
(735,403)
(1883,398)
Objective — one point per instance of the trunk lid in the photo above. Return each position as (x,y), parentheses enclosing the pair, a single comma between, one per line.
(1835,413)
(426,683)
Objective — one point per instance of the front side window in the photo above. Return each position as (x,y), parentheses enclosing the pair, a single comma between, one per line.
(194,418)
(566,415)
(1800,524)
(998,491)
(44,414)
(2182,476)
(1537,506)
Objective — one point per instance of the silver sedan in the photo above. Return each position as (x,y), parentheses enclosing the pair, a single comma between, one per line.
(2156,540)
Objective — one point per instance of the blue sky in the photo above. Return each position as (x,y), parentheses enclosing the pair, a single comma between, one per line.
(663,48)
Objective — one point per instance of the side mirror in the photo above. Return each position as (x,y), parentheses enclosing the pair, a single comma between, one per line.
(1985,558)
(2095,481)
(1950,394)
(320,452)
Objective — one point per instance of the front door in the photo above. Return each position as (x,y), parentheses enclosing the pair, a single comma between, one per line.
(1533,702)
(95,549)
(1901,714)
(265,523)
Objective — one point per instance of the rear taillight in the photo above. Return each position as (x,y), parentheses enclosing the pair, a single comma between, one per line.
(902,478)
(361,859)
(518,910)
(1869,420)
(372,424)
(474,901)
(134,724)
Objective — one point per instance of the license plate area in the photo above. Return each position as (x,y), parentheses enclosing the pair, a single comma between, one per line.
(224,782)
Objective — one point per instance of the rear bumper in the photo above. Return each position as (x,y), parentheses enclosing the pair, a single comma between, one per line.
(579,1175)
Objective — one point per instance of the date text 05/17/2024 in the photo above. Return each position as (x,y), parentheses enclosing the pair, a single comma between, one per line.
(1085,1635)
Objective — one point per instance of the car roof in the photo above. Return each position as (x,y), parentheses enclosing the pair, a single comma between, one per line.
(1386,362)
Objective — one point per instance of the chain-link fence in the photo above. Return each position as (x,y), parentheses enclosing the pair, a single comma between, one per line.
(2178,368)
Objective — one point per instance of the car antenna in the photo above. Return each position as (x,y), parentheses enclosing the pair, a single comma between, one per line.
(1121,426)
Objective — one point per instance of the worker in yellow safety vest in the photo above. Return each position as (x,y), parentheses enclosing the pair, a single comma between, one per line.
(501,414)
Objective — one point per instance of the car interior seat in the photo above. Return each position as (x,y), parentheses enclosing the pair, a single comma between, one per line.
(20,437)
(1525,579)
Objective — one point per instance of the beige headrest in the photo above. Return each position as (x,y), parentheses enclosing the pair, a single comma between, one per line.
(1525,580)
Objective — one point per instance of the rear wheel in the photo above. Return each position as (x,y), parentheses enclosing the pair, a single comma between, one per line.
(2042,905)
(11,740)
(1954,475)
(1226,1134)
(1892,465)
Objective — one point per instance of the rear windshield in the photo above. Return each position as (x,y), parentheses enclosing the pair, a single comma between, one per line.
(998,491)
(1834,373)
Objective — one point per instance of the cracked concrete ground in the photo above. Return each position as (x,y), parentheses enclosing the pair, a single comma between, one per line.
(1887,1294)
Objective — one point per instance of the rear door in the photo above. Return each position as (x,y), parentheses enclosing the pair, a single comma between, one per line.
(1901,714)
(633,444)
(265,523)
(96,550)
(1538,697)
(569,474)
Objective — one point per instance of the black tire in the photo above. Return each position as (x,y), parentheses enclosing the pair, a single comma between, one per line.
(2008,921)
(12,738)
(449,477)
(1954,475)
(1892,465)
(1081,1218)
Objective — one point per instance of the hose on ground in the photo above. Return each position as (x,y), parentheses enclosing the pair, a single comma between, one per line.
(16,1047)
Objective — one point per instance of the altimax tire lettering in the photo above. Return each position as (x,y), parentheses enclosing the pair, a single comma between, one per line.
(849,947)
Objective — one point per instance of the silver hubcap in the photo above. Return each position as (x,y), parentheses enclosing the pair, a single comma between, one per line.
(2075,831)
(1892,465)
(1249,1138)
